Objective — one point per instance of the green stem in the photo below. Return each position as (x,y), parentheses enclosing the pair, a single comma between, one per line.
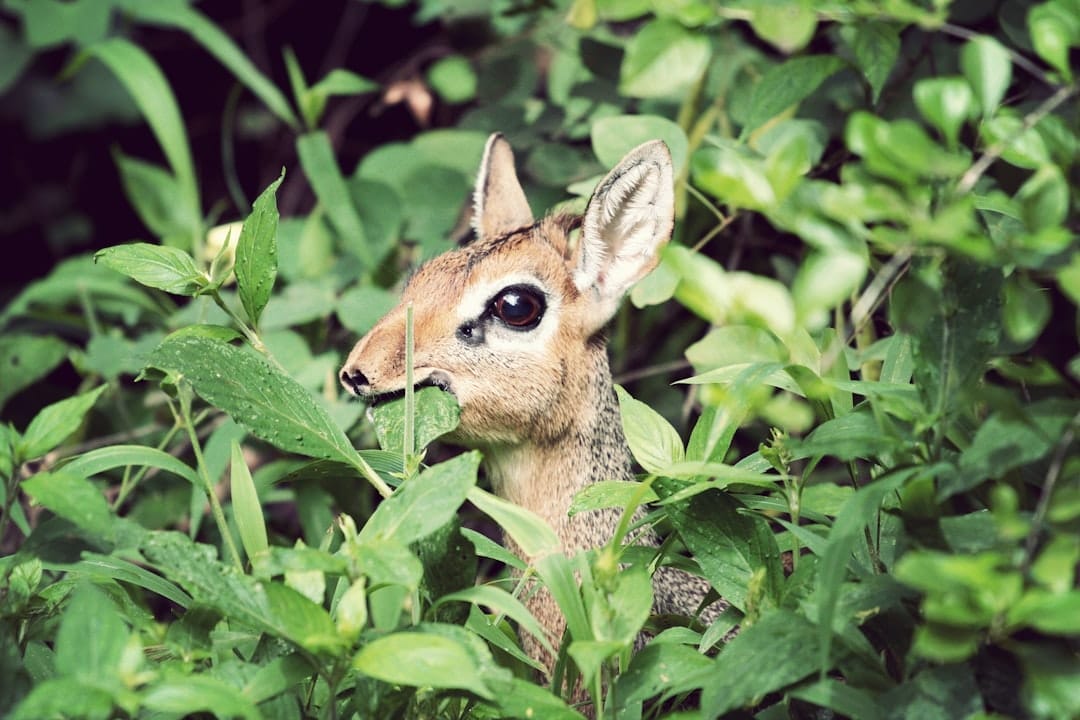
(204,474)
(11,485)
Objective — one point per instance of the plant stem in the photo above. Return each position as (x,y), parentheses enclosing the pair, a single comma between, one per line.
(215,504)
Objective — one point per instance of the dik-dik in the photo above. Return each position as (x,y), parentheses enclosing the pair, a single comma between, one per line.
(512,325)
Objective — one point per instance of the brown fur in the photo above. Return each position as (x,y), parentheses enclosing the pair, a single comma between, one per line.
(540,406)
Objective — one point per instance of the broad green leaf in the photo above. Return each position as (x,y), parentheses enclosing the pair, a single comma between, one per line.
(1026,309)
(841,697)
(64,696)
(246,507)
(256,253)
(453,78)
(1023,147)
(424,503)
(91,639)
(267,402)
(876,46)
(936,693)
(946,102)
(165,268)
(361,307)
(437,413)
(106,458)
(151,92)
(825,280)
(73,498)
(1051,613)
(733,175)
(663,58)
(321,168)
(854,435)
(265,605)
(195,694)
(54,423)
(787,25)
(787,84)
(1054,30)
(988,68)
(778,650)
(25,359)
(654,443)
(653,670)
(182,16)
(613,137)
(730,546)
(1044,198)
(421,660)
(277,676)
(523,699)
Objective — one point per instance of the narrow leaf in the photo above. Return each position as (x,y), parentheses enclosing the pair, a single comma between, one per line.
(322,171)
(421,660)
(246,507)
(115,456)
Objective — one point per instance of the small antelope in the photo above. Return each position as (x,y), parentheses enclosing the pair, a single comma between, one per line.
(513,325)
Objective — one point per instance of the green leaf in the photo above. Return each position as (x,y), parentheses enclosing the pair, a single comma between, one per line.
(54,423)
(453,78)
(437,413)
(151,92)
(857,512)
(729,545)
(153,192)
(654,443)
(267,402)
(613,137)
(1044,198)
(946,102)
(320,167)
(420,659)
(277,676)
(25,359)
(825,280)
(165,268)
(361,307)
(114,568)
(663,59)
(854,435)
(106,458)
(876,46)
(936,693)
(424,503)
(91,639)
(198,693)
(526,529)
(788,25)
(734,176)
(778,650)
(607,494)
(524,699)
(500,603)
(256,253)
(655,669)
(265,605)
(1024,147)
(60,697)
(182,16)
(786,84)
(1026,310)
(1054,30)
(988,68)
(73,498)
(840,697)
(246,507)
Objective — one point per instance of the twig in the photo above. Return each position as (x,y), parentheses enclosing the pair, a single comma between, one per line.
(967,182)
(1017,59)
(1052,474)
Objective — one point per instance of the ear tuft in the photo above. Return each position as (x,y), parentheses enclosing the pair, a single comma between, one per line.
(628,220)
(499,204)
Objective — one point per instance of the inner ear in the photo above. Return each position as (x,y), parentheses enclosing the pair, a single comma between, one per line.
(499,204)
(628,219)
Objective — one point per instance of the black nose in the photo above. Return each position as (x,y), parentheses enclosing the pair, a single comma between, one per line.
(354,380)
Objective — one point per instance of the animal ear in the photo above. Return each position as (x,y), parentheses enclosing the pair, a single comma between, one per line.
(627,221)
(499,204)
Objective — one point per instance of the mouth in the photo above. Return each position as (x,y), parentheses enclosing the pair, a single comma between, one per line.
(436,379)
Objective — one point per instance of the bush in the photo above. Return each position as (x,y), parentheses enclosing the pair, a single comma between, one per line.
(869,309)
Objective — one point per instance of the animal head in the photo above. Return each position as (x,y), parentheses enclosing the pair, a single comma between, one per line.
(512,322)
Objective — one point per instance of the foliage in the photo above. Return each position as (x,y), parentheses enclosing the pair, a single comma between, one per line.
(870,303)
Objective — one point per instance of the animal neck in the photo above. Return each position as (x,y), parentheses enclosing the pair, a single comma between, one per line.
(543,476)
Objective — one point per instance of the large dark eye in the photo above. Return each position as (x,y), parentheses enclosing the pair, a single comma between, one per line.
(520,308)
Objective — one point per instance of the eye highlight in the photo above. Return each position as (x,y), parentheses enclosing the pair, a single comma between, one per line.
(519,307)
